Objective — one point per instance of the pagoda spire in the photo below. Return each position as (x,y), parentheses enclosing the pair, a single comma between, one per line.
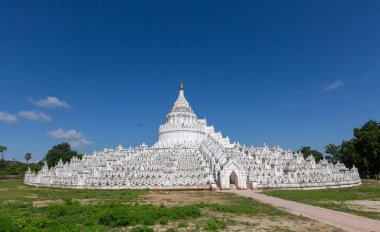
(181,88)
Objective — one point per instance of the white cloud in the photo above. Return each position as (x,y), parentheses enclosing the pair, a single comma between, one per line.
(73,137)
(50,102)
(7,117)
(35,116)
(334,85)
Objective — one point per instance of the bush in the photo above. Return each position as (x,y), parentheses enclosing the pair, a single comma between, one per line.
(171,230)
(141,229)
(183,225)
(163,221)
(106,218)
(215,224)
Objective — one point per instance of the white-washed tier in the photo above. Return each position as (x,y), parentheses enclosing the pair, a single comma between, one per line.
(191,155)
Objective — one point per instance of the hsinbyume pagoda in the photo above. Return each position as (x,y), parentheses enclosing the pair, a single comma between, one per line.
(191,155)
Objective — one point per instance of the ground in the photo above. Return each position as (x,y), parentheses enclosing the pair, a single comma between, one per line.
(362,200)
(26,208)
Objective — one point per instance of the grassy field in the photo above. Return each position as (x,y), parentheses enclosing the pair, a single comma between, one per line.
(25,208)
(337,199)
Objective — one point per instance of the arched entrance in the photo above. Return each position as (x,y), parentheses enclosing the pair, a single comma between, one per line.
(232,176)
(233,180)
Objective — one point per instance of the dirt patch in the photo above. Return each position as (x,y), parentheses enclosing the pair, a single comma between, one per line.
(172,198)
(328,202)
(364,205)
(236,222)
(32,196)
(93,201)
(3,190)
(267,223)
(47,203)
(11,201)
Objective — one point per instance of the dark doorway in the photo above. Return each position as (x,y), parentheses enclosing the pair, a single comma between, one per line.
(233,180)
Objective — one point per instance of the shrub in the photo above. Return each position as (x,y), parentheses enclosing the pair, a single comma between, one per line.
(183,225)
(163,221)
(106,218)
(141,229)
(215,224)
(171,230)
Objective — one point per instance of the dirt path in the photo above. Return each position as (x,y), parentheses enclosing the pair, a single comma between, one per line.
(338,219)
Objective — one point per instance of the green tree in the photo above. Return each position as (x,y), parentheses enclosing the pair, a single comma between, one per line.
(307,151)
(40,163)
(350,157)
(80,156)
(58,152)
(346,153)
(28,156)
(363,150)
(367,144)
(2,150)
(333,151)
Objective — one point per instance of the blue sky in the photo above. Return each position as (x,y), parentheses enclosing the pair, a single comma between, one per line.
(286,73)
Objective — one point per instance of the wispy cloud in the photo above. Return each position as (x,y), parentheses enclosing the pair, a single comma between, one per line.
(50,102)
(7,117)
(336,84)
(35,115)
(73,137)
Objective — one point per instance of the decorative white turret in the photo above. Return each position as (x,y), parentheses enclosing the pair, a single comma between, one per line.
(181,125)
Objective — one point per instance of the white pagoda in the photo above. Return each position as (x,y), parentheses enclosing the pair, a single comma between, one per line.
(191,155)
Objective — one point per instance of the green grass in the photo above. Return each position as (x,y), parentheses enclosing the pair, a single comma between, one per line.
(171,230)
(141,229)
(335,199)
(113,210)
(215,224)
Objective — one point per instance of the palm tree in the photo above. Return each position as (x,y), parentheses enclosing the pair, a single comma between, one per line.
(28,156)
(2,150)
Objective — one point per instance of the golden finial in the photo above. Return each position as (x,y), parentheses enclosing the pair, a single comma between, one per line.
(181,88)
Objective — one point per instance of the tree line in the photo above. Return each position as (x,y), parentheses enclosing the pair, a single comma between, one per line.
(53,156)
(363,150)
